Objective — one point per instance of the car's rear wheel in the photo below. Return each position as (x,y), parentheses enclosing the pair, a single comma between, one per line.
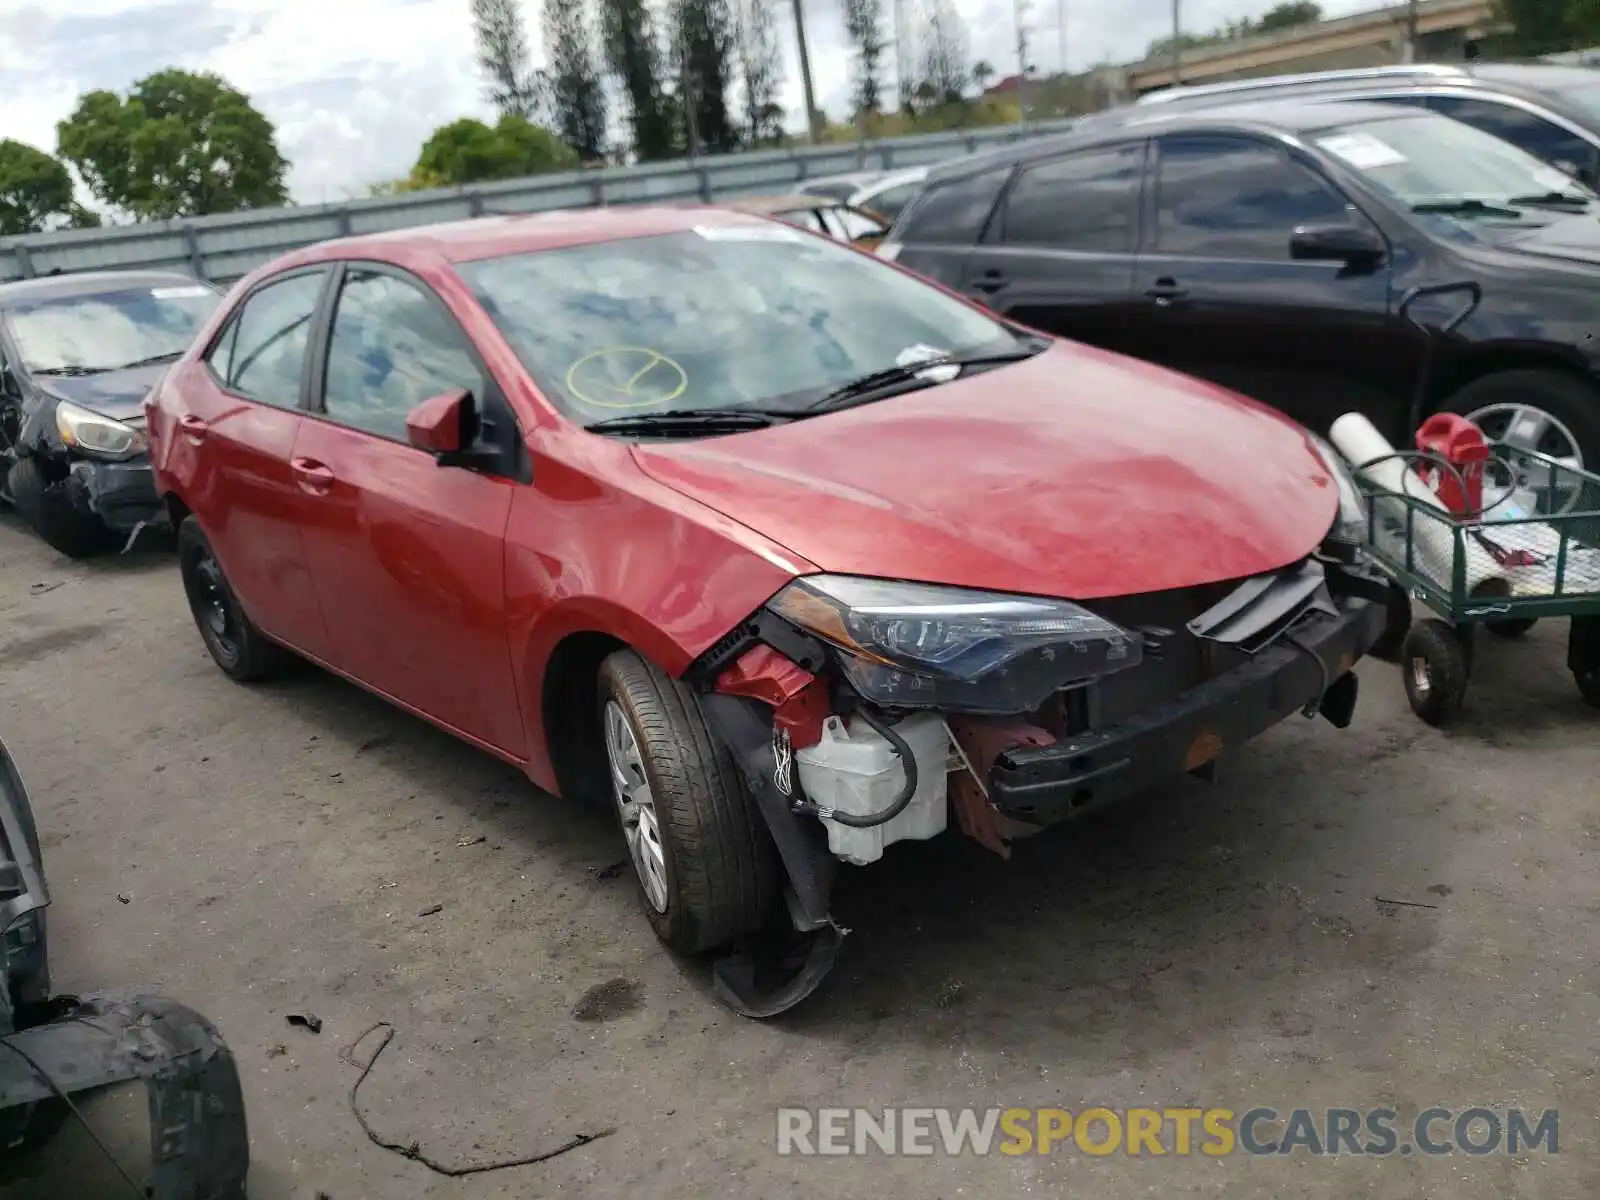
(705,864)
(242,651)
(46,506)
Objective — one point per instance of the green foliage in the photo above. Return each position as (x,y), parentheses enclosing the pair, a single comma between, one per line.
(628,39)
(1550,26)
(468,151)
(180,144)
(573,85)
(36,192)
(1275,20)
(1288,15)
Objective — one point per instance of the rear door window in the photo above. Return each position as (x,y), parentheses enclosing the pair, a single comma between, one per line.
(1086,201)
(262,353)
(1528,131)
(1231,197)
(889,202)
(954,213)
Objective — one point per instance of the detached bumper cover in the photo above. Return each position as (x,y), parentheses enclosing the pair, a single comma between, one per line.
(122,494)
(1046,784)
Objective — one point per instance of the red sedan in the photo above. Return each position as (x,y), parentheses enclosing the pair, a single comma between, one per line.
(784,552)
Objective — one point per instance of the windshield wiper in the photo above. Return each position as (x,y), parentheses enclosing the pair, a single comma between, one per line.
(70,371)
(1465,208)
(1550,200)
(690,420)
(153,360)
(876,381)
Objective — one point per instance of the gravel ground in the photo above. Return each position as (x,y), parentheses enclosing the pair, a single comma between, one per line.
(1208,946)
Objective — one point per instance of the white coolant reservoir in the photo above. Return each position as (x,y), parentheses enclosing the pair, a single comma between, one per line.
(855,770)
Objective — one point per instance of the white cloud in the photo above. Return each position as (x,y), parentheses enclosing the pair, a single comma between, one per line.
(354,86)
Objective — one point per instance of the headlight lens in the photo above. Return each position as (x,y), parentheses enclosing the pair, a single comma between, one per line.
(94,434)
(1351,523)
(912,645)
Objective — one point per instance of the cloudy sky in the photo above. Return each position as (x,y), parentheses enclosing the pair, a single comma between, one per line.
(354,86)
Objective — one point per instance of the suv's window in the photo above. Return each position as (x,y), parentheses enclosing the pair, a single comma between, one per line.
(888,203)
(263,351)
(1522,129)
(954,213)
(391,349)
(1085,201)
(1232,197)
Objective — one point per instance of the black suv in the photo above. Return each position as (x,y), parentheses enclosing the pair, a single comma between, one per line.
(1276,250)
(1550,111)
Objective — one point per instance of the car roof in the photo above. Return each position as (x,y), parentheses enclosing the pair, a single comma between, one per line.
(90,283)
(1544,80)
(427,246)
(1288,115)
(895,179)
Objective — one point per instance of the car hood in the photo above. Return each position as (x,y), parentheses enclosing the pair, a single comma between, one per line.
(115,394)
(1571,238)
(1077,473)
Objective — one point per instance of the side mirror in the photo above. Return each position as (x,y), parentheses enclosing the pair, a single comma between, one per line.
(446,426)
(1353,245)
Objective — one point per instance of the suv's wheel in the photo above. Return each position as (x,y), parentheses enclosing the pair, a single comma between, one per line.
(242,651)
(1536,408)
(705,864)
(46,506)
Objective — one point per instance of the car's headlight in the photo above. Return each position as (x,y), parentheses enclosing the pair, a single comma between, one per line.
(912,645)
(93,434)
(1350,525)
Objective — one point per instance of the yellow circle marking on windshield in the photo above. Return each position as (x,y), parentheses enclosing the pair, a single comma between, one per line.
(653,378)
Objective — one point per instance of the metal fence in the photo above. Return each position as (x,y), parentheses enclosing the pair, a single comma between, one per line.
(222,248)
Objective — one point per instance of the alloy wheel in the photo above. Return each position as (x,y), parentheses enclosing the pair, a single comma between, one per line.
(636,806)
(1527,427)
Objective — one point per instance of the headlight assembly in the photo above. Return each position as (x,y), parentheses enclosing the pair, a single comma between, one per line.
(912,645)
(96,435)
(1350,526)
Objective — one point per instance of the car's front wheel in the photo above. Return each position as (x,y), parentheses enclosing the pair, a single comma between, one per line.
(45,505)
(704,861)
(242,651)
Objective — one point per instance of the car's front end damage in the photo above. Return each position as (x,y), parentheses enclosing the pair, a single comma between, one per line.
(56,1050)
(864,711)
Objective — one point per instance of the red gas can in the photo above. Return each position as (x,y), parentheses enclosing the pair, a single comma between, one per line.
(1461,444)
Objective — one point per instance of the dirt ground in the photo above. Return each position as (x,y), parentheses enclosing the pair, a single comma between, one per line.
(263,851)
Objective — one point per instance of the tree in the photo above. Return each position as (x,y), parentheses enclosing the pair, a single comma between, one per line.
(1550,26)
(760,70)
(702,51)
(576,94)
(510,83)
(1288,15)
(36,192)
(863,25)
(468,151)
(944,52)
(982,72)
(181,144)
(628,35)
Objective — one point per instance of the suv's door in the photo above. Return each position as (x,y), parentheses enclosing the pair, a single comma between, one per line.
(408,555)
(1059,254)
(939,229)
(1221,297)
(232,442)
(1576,153)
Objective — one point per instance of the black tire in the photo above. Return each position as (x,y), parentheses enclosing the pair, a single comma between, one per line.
(46,506)
(1572,401)
(1583,657)
(721,868)
(242,651)
(1511,627)
(1397,620)
(1435,662)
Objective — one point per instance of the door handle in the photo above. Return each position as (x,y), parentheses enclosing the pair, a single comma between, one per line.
(193,427)
(312,476)
(990,281)
(1164,291)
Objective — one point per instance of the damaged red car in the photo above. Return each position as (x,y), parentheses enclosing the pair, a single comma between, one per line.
(781,551)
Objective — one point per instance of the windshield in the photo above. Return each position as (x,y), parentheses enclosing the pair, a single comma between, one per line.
(108,330)
(752,316)
(1429,159)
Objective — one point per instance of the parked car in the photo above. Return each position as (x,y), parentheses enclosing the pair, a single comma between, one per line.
(1550,111)
(78,354)
(836,187)
(838,220)
(889,194)
(1269,248)
(736,527)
